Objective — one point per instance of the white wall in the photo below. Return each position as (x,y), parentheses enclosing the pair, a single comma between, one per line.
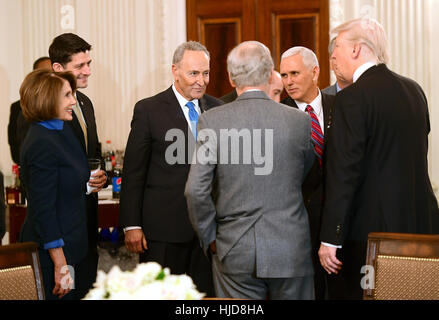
(133,42)
(11,70)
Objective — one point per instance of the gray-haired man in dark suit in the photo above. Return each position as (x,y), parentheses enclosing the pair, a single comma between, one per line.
(244,191)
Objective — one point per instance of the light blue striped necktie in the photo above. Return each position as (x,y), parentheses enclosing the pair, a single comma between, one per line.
(193,118)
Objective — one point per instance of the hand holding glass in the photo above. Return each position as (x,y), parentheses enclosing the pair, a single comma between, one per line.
(95,166)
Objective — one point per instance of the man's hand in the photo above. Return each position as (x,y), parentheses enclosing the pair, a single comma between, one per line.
(328,259)
(135,241)
(98,180)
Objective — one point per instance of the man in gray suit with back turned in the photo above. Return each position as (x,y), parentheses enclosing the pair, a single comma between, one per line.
(244,190)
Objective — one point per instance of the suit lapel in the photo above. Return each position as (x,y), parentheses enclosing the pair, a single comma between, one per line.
(85,110)
(77,130)
(326,113)
(174,112)
(203,104)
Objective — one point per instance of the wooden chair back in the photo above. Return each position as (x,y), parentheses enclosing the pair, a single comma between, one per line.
(401,266)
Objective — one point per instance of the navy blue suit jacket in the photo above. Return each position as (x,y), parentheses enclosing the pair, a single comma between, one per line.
(55,172)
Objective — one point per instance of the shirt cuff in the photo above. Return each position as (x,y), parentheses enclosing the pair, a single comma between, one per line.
(131,228)
(331,245)
(54,244)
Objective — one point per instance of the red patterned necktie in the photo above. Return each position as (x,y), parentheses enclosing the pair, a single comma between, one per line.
(316,133)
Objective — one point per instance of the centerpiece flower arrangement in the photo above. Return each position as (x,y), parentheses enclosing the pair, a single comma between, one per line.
(148,281)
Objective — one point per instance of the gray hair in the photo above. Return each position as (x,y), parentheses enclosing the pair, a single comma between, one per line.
(308,56)
(190,46)
(369,32)
(250,64)
(331,46)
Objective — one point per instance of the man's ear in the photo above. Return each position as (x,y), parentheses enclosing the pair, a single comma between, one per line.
(356,49)
(57,67)
(175,72)
(271,79)
(315,74)
(231,81)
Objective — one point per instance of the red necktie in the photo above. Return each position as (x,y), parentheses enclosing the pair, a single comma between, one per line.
(316,133)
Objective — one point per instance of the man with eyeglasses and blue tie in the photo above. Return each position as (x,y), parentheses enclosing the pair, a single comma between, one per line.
(153,210)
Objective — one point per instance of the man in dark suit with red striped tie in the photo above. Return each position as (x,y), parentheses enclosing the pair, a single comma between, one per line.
(299,69)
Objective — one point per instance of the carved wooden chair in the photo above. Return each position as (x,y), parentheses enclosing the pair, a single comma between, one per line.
(20,272)
(402,266)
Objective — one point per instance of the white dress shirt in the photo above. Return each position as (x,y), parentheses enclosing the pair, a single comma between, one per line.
(316,104)
(362,69)
(337,87)
(182,101)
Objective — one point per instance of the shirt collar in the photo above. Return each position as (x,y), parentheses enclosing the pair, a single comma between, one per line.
(53,124)
(182,100)
(316,104)
(362,69)
(337,87)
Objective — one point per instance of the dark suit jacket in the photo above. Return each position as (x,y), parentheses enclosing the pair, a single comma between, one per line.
(377,172)
(14,143)
(55,172)
(94,152)
(229,97)
(152,193)
(2,209)
(313,186)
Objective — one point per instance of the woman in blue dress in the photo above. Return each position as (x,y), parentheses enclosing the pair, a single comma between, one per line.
(54,171)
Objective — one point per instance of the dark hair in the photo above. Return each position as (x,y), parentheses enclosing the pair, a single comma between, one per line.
(64,46)
(37,62)
(40,93)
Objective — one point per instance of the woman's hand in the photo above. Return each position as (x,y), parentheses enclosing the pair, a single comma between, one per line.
(63,280)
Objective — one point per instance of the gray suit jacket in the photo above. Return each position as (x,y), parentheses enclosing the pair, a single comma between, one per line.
(259,222)
(331,90)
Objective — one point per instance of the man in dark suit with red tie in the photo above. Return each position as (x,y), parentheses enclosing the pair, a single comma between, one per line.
(299,69)
(153,208)
(377,172)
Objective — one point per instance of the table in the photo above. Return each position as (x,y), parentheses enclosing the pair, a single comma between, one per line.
(108,216)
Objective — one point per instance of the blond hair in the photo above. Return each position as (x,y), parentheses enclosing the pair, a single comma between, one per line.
(369,32)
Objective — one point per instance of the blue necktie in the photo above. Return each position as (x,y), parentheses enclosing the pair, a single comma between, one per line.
(193,117)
